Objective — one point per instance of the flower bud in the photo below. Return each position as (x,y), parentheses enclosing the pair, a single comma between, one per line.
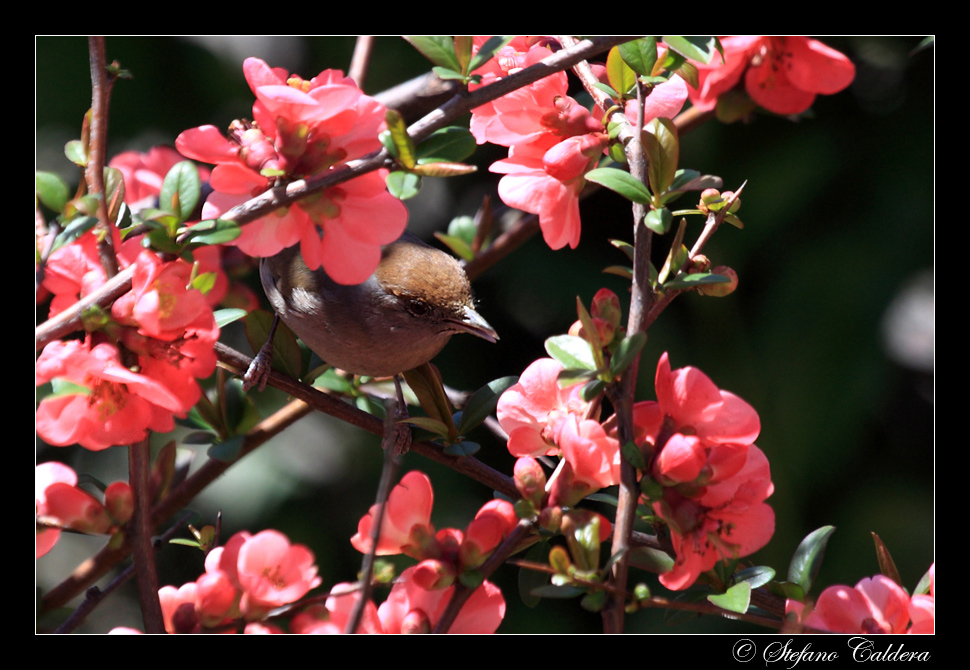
(723,289)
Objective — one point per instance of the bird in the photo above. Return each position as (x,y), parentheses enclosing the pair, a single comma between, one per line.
(398,319)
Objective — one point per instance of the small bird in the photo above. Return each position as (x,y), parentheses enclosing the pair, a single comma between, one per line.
(400,318)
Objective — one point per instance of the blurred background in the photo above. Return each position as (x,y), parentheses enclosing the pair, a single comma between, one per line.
(830,335)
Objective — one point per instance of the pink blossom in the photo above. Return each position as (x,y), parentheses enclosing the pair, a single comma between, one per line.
(406,525)
(410,608)
(111,404)
(272,572)
(874,605)
(592,461)
(304,128)
(491,525)
(701,439)
(144,172)
(783,74)
(532,410)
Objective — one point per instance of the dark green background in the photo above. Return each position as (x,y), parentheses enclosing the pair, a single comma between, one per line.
(839,222)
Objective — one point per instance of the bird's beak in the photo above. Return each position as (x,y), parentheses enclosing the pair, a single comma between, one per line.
(473,323)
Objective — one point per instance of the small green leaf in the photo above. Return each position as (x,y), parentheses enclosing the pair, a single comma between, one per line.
(452,144)
(228,315)
(591,389)
(403,145)
(181,190)
(621,182)
(694,280)
(735,599)
(658,220)
(808,556)
(439,49)
(51,190)
(487,50)
(425,382)
(695,47)
(212,231)
(403,185)
(227,451)
(756,576)
(640,55)
(571,351)
(458,245)
(427,423)
(76,152)
(447,73)
(74,230)
(626,352)
(621,77)
(661,144)
(631,452)
(482,403)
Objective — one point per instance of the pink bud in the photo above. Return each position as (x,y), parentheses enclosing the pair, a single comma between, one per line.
(119,501)
(721,290)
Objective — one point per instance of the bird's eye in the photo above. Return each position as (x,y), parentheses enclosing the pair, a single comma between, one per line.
(419,308)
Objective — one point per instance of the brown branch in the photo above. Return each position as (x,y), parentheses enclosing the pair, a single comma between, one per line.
(94,170)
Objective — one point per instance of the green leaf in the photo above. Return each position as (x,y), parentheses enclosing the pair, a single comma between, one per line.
(458,245)
(76,152)
(626,351)
(661,144)
(487,50)
(212,231)
(658,220)
(181,190)
(621,77)
(696,47)
(439,49)
(227,451)
(228,315)
(756,576)
(631,452)
(403,185)
(808,556)
(735,599)
(482,403)
(403,145)
(694,280)
(621,182)
(640,55)
(114,190)
(427,423)
(451,144)
(425,382)
(591,389)
(74,230)
(51,190)
(447,73)
(571,351)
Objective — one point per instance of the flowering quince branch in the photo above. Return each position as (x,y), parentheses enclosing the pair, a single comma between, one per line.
(688,459)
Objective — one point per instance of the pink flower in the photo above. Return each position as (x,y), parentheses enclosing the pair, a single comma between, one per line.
(272,572)
(782,74)
(491,525)
(874,605)
(304,128)
(406,526)
(410,608)
(592,461)
(144,172)
(532,410)
(716,480)
(106,403)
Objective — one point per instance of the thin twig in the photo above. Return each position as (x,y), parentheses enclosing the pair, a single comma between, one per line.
(360,61)
(139,475)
